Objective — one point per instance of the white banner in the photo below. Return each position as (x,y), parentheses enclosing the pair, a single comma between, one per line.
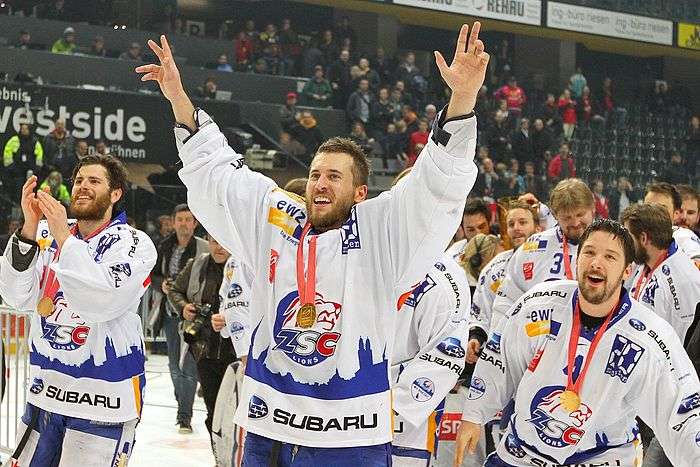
(609,23)
(518,11)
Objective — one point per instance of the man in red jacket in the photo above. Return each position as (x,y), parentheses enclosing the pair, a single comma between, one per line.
(419,137)
(561,166)
(513,95)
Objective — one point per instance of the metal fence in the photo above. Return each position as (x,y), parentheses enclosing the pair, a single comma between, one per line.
(14,334)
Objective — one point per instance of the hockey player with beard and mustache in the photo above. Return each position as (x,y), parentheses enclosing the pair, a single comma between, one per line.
(85,282)
(582,359)
(328,271)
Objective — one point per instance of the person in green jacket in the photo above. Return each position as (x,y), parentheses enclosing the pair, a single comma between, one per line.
(66,44)
(317,90)
(55,187)
(23,153)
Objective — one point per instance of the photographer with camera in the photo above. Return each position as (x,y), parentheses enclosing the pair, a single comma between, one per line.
(195,295)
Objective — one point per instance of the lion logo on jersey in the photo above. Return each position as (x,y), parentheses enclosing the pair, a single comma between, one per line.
(553,425)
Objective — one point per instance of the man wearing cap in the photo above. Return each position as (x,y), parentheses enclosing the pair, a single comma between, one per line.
(289,113)
(317,91)
(66,44)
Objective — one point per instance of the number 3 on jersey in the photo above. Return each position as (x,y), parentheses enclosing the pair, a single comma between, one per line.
(558,260)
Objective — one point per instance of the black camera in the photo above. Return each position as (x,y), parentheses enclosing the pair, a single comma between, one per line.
(203,313)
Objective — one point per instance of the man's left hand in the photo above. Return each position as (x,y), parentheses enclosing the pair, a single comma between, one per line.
(218,322)
(56,216)
(466,74)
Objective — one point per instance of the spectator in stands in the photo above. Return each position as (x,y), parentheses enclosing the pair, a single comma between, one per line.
(308,133)
(408,72)
(173,253)
(567,109)
(659,97)
(484,103)
(252,33)
(476,219)
(134,53)
(56,188)
(24,40)
(198,283)
(355,76)
(514,96)
(291,146)
(81,150)
(620,197)
(66,44)
(23,152)
(101,147)
(289,40)
(497,137)
(289,114)
(343,31)
(541,138)
(489,185)
(534,183)
(550,115)
(419,136)
(55,10)
(396,104)
(409,115)
(689,207)
(515,181)
(561,166)
(522,143)
(368,73)
(208,90)
(97,49)
(430,113)
(602,210)
(675,172)
(359,135)
(406,96)
(222,63)
(244,48)
(269,35)
(382,65)
(317,91)
(165,228)
(328,47)
(260,67)
(693,140)
(339,76)
(360,103)
(275,63)
(576,83)
(59,147)
(381,113)
(395,142)
(64,162)
(608,103)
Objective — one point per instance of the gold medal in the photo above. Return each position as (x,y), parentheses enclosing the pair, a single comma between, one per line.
(45,307)
(570,400)
(306,316)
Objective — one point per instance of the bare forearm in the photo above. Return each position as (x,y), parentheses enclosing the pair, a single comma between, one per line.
(183,109)
(459,105)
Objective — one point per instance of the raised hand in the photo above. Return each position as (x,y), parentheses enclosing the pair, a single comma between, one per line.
(56,216)
(30,209)
(465,75)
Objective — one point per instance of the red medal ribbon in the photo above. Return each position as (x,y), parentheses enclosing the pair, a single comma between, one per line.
(567,259)
(646,275)
(573,343)
(306,284)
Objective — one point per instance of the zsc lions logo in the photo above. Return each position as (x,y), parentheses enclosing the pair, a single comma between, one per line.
(553,425)
(451,347)
(306,346)
(257,408)
(62,335)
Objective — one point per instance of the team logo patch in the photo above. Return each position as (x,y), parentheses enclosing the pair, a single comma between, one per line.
(528,270)
(422,389)
(310,346)
(624,357)
(37,386)
(234,290)
(553,425)
(104,244)
(64,336)
(650,291)
(477,388)
(350,233)
(118,271)
(257,408)
(689,403)
(666,270)
(636,324)
(419,292)
(452,347)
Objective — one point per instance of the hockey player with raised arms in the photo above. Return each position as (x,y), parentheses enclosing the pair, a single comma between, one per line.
(548,255)
(328,271)
(582,359)
(86,342)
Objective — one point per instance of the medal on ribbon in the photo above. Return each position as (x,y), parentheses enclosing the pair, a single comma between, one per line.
(306,283)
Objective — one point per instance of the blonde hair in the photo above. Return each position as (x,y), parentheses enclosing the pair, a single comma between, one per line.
(485,245)
(569,194)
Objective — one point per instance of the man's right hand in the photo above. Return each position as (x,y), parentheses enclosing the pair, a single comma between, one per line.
(189,312)
(467,437)
(30,209)
(165,287)
(473,348)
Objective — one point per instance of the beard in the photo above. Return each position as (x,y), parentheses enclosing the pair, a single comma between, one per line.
(640,255)
(94,211)
(332,219)
(601,294)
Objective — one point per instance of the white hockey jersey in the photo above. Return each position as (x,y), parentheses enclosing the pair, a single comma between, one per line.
(87,357)
(328,385)
(639,369)
(538,260)
(234,297)
(687,241)
(486,289)
(672,291)
(429,353)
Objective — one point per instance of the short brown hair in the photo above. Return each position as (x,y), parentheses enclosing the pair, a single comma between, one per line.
(517,204)
(117,175)
(665,188)
(653,219)
(360,164)
(571,193)
(297,186)
(687,191)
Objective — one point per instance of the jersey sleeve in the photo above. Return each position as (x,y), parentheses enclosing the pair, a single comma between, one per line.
(442,332)
(20,274)
(670,404)
(482,304)
(235,306)
(413,223)
(101,290)
(502,364)
(511,289)
(224,194)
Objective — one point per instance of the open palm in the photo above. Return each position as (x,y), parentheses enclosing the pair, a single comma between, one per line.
(166,74)
(465,75)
